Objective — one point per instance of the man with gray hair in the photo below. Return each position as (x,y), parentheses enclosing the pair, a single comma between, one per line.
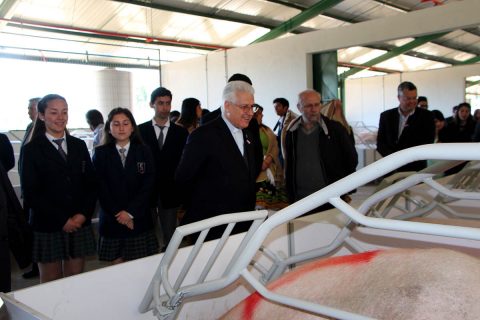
(318,150)
(217,170)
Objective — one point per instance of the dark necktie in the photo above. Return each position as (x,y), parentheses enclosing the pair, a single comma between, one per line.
(160,137)
(245,156)
(60,149)
(122,155)
(279,126)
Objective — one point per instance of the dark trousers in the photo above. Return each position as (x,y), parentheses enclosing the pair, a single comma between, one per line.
(167,218)
(5,269)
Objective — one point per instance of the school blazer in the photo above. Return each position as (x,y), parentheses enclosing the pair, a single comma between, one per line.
(124,188)
(56,189)
(166,162)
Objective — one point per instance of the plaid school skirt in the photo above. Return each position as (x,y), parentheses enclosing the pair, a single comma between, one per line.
(143,245)
(60,245)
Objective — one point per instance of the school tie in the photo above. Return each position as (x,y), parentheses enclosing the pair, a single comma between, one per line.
(60,149)
(122,155)
(160,137)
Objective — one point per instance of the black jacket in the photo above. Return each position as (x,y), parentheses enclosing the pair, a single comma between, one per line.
(166,162)
(337,153)
(126,188)
(13,223)
(254,129)
(213,175)
(56,189)
(419,130)
(7,158)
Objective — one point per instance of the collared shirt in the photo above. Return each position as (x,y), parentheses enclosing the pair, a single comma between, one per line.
(64,142)
(126,147)
(402,122)
(166,126)
(236,133)
(300,122)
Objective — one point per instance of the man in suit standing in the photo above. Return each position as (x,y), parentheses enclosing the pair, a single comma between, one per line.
(217,171)
(32,114)
(166,140)
(405,126)
(281,106)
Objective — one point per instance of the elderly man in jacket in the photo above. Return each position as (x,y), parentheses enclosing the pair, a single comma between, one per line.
(318,150)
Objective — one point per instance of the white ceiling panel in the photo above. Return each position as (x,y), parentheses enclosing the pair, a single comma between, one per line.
(195,26)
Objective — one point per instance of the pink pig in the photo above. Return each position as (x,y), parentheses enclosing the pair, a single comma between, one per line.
(393,284)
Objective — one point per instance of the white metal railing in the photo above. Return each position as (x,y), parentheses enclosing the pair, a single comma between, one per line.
(165,305)
(463,185)
(238,266)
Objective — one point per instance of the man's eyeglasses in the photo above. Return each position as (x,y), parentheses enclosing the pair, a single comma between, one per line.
(247,107)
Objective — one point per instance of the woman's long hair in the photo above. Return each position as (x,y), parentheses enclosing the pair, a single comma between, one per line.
(188,116)
(39,126)
(469,119)
(135,137)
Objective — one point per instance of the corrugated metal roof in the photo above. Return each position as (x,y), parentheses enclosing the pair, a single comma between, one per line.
(115,30)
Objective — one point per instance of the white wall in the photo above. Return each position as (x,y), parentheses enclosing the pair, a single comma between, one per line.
(366,98)
(282,67)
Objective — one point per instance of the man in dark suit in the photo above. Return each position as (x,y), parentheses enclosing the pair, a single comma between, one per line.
(252,126)
(166,140)
(217,171)
(406,126)
(32,114)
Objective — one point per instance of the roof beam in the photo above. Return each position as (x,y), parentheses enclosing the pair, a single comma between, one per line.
(391,4)
(90,33)
(289,4)
(75,61)
(212,13)
(470,61)
(297,21)
(415,54)
(393,53)
(472,83)
(6,8)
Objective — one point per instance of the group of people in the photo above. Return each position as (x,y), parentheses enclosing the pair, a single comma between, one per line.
(143,173)
(224,162)
(412,124)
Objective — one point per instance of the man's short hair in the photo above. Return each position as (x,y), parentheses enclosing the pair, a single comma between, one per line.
(240,77)
(94,118)
(421,98)
(160,92)
(34,100)
(282,101)
(230,90)
(406,85)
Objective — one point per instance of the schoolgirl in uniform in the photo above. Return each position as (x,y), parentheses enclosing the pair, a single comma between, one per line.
(60,187)
(126,174)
